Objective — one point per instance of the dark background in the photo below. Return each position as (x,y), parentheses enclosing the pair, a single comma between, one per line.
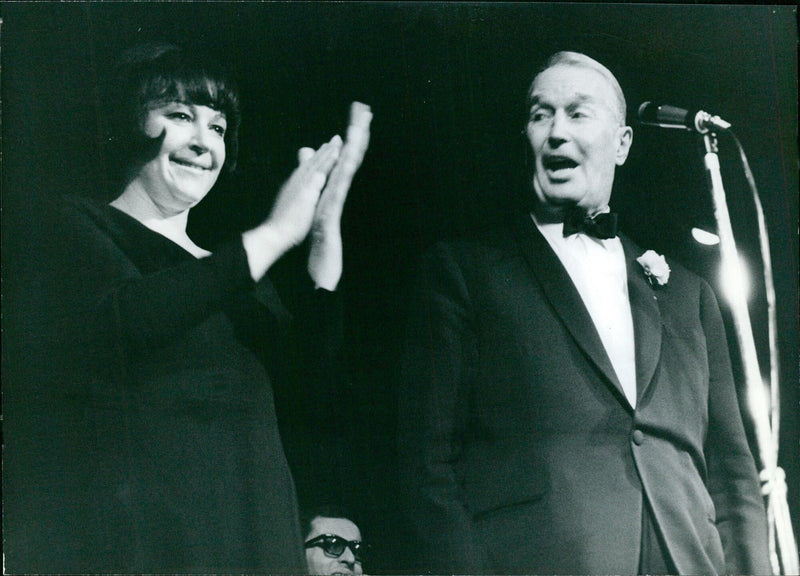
(446,83)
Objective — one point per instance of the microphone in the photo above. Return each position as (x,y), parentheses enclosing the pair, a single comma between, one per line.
(672,117)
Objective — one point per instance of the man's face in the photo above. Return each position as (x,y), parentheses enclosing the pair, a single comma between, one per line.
(576,137)
(321,563)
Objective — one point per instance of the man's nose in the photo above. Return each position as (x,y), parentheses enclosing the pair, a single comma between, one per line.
(348,557)
(558,129)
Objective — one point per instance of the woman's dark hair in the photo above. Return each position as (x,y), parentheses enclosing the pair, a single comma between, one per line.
(152,74)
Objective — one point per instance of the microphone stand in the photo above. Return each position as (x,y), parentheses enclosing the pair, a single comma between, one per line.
(783,547)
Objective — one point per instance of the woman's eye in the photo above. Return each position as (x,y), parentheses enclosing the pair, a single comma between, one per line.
(179,116)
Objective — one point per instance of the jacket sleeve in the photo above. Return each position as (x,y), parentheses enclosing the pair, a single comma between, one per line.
(439,359)
(732,477)
(306,355)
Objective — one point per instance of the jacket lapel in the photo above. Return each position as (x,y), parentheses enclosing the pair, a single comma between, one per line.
(564,297)
(646,314)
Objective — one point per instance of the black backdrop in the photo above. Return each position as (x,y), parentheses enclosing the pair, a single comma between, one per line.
(446,83)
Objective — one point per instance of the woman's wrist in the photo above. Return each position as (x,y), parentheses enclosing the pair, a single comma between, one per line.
(264,245)
(325,259)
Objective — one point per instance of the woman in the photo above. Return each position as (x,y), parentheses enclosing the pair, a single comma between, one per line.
(147,439)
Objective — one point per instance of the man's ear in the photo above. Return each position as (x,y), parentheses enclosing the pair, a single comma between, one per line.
(624,140)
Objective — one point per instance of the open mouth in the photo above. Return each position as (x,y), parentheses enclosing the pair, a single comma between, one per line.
(558,163)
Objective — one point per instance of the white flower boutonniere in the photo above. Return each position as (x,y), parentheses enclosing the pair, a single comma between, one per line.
(655,268)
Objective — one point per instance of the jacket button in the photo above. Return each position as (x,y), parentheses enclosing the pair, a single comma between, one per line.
(638,437)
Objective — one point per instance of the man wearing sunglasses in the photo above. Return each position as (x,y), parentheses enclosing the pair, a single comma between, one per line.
(332,542)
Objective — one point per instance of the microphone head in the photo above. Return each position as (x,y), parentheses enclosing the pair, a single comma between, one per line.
(645,112)
(665,116)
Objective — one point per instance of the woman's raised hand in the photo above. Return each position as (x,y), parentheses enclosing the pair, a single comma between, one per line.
(329,210)
(294,208)
(312,200)
(293,212)
(325,256)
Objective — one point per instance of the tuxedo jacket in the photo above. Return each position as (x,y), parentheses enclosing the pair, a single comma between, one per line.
(519,451)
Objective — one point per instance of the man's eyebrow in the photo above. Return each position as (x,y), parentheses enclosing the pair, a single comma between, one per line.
(583,98)
(535,100)
(580,98)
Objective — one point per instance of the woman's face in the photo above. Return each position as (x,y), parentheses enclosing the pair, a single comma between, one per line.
(190,158)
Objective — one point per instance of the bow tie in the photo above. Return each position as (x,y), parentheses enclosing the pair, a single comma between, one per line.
(602,226)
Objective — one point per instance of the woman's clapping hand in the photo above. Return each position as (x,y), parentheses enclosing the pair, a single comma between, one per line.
(325,256)
(312,200)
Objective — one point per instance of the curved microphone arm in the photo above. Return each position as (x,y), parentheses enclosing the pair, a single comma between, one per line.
(783,547)
(769,288)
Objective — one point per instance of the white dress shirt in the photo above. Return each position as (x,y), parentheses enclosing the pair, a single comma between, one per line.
(597,268)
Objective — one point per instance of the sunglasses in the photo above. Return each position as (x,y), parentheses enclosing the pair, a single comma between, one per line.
(334,546)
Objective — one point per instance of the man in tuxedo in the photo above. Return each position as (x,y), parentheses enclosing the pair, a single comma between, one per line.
(565,407)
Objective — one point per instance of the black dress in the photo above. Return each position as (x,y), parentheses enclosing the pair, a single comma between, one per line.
(140,424)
